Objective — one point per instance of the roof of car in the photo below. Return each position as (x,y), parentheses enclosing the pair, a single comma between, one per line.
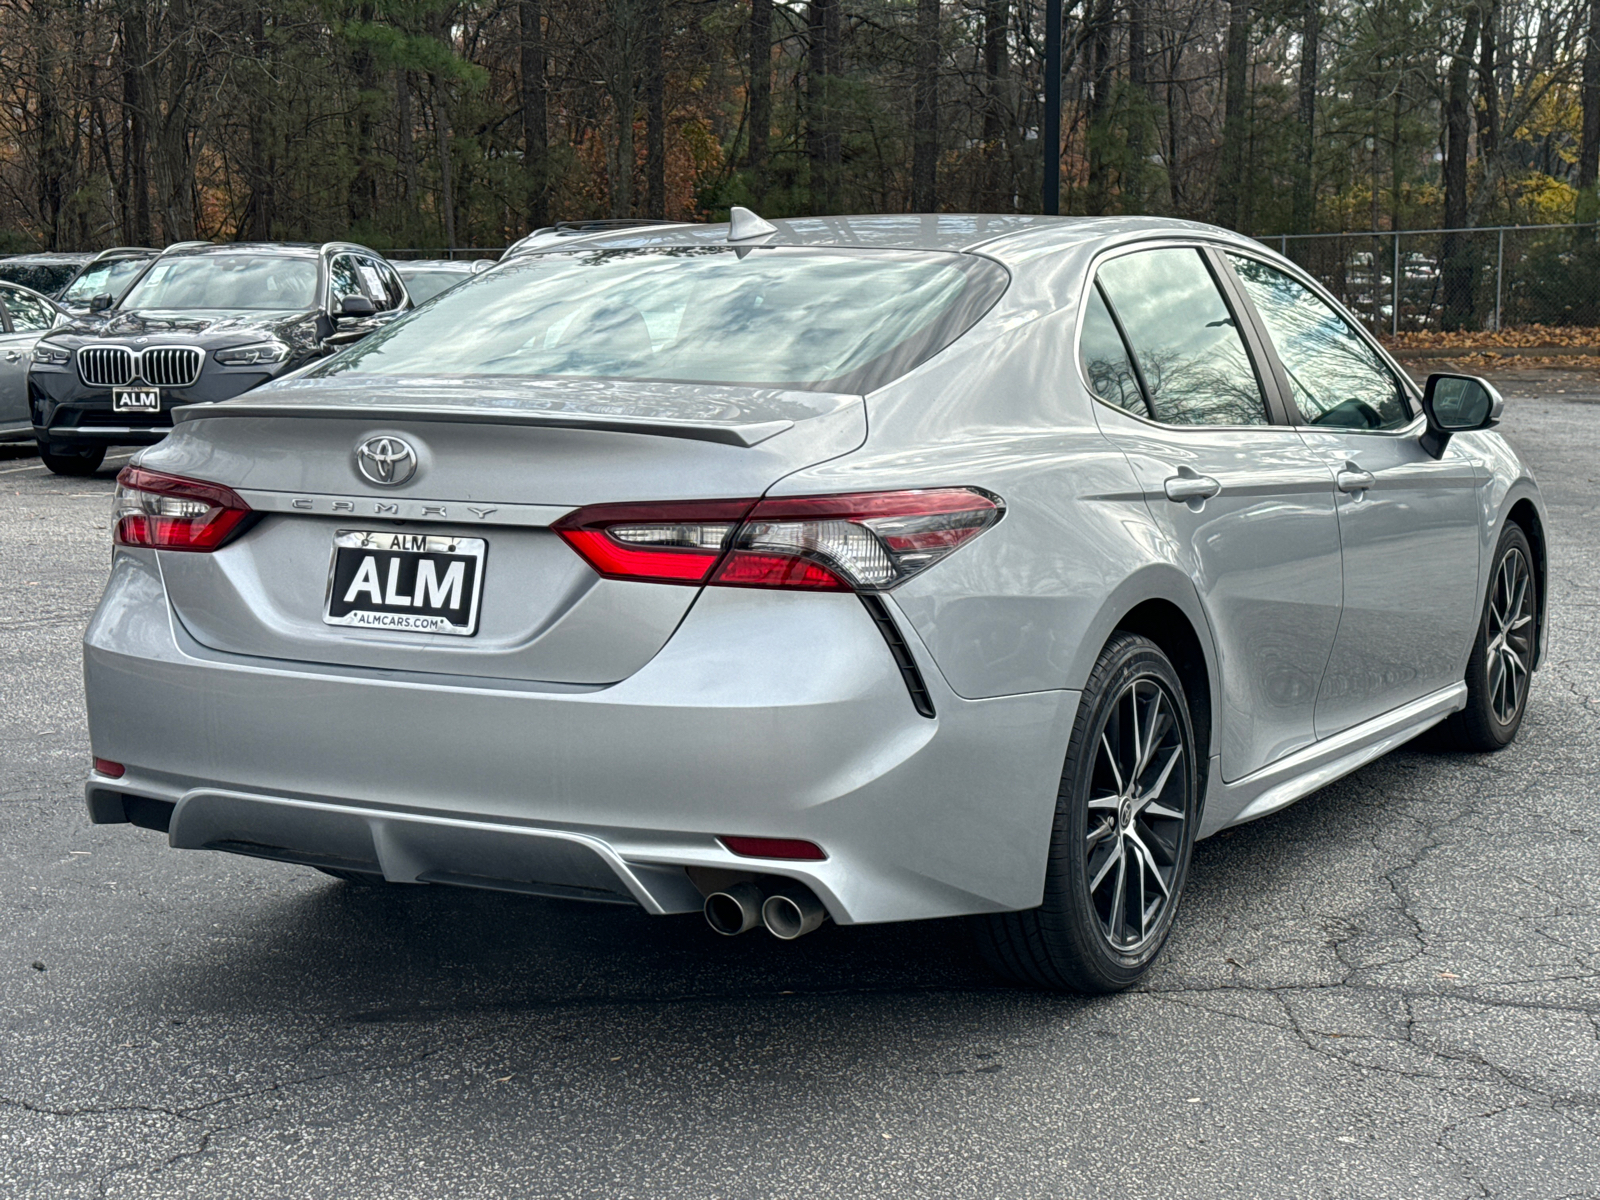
(49,256)
(286,249)
(934,231)
(464,265)
(283,249)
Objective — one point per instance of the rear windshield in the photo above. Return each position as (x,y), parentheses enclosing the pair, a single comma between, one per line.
(255,281)
(812,319)
(424,283)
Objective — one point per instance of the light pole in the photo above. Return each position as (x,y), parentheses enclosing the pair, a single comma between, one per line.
(1050,199)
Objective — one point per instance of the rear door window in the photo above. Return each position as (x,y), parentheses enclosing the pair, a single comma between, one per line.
(1187,342)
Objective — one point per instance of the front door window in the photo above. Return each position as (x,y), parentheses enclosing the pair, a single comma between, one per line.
(1338,379)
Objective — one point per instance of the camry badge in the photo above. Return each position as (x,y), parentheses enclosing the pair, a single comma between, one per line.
(389,461)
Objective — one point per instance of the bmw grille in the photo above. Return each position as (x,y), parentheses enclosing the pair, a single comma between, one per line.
(159,366)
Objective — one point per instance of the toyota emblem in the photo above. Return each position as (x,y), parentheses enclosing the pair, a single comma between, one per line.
(389,461)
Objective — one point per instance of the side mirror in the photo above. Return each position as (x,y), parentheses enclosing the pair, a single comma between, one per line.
(1457,404)
(357,306)
(102,302)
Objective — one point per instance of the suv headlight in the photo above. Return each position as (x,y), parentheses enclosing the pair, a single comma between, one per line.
(255,354)
(54,356)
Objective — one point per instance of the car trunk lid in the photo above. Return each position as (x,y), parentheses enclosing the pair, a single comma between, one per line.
(494,463)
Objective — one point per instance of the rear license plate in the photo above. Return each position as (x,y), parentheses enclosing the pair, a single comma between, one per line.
(135,400)
(416,582)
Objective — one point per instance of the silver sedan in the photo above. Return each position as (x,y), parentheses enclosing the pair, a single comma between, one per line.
(864,569)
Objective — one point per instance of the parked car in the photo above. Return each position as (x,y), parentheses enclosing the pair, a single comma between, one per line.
(425,278)
(863,568)
(104,278)
(46,274)
(201,323)
(25,317)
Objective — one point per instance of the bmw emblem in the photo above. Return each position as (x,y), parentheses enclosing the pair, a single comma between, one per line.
(388,461)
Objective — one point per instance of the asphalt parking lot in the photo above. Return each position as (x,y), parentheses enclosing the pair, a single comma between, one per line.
(1387,990)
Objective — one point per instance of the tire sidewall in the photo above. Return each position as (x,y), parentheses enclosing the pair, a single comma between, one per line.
(1511,537)
(1125,661)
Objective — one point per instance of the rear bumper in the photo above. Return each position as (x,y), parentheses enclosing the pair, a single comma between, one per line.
(776,714)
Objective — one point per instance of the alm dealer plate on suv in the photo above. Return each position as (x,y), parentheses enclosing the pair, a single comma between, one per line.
(420,583)
(127,400)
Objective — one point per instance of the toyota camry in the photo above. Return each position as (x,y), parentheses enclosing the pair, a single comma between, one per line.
(855,569)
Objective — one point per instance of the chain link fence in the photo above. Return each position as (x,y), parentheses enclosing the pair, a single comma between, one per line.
(1493,278)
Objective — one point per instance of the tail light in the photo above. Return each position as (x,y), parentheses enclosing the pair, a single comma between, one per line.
(167,512)
(864,541)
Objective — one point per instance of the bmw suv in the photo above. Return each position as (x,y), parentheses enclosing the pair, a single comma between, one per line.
(202,323)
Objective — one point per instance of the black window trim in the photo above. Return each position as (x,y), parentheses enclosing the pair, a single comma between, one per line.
(1256,349)
(1408,388)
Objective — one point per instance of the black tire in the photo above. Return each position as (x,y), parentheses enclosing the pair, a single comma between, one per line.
(1070,941)
(1500,669)
(73,460)
(361,878)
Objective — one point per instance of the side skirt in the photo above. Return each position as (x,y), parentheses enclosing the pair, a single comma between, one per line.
(1280,784)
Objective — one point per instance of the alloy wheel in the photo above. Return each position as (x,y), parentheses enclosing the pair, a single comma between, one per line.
(1509,651)
(1137,810)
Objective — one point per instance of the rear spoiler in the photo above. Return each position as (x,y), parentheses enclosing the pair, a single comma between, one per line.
(730,433)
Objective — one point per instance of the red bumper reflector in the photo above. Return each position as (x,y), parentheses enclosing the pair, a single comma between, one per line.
(761,847)
(113,770)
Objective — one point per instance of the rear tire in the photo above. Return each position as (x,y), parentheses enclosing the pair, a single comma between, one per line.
(73,460)
(1500,669)
(1123,834)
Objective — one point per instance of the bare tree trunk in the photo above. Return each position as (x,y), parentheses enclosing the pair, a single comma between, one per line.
(1236,119)
(136,128)
(760,120)
(363,196)
(1456,250)
(1488,86)
(925,111)
(821,139)
(52,167)
(441,132)
(262,173)
(1133,200)
(996,19)
(535,128)
(405,128)
(1305,179)
(1589,143)
(1100,87)
(620,83)
(655,116)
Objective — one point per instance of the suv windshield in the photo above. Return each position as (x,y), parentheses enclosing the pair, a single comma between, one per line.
(814,319)
(258,281)
(110,276)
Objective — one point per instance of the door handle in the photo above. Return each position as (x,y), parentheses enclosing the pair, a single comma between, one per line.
(1351,478)
(1187,485)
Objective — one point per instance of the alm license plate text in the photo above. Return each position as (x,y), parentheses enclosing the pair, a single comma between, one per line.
(420,583)
(135,400)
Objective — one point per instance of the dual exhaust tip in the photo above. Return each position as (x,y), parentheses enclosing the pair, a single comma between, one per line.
(788,911)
